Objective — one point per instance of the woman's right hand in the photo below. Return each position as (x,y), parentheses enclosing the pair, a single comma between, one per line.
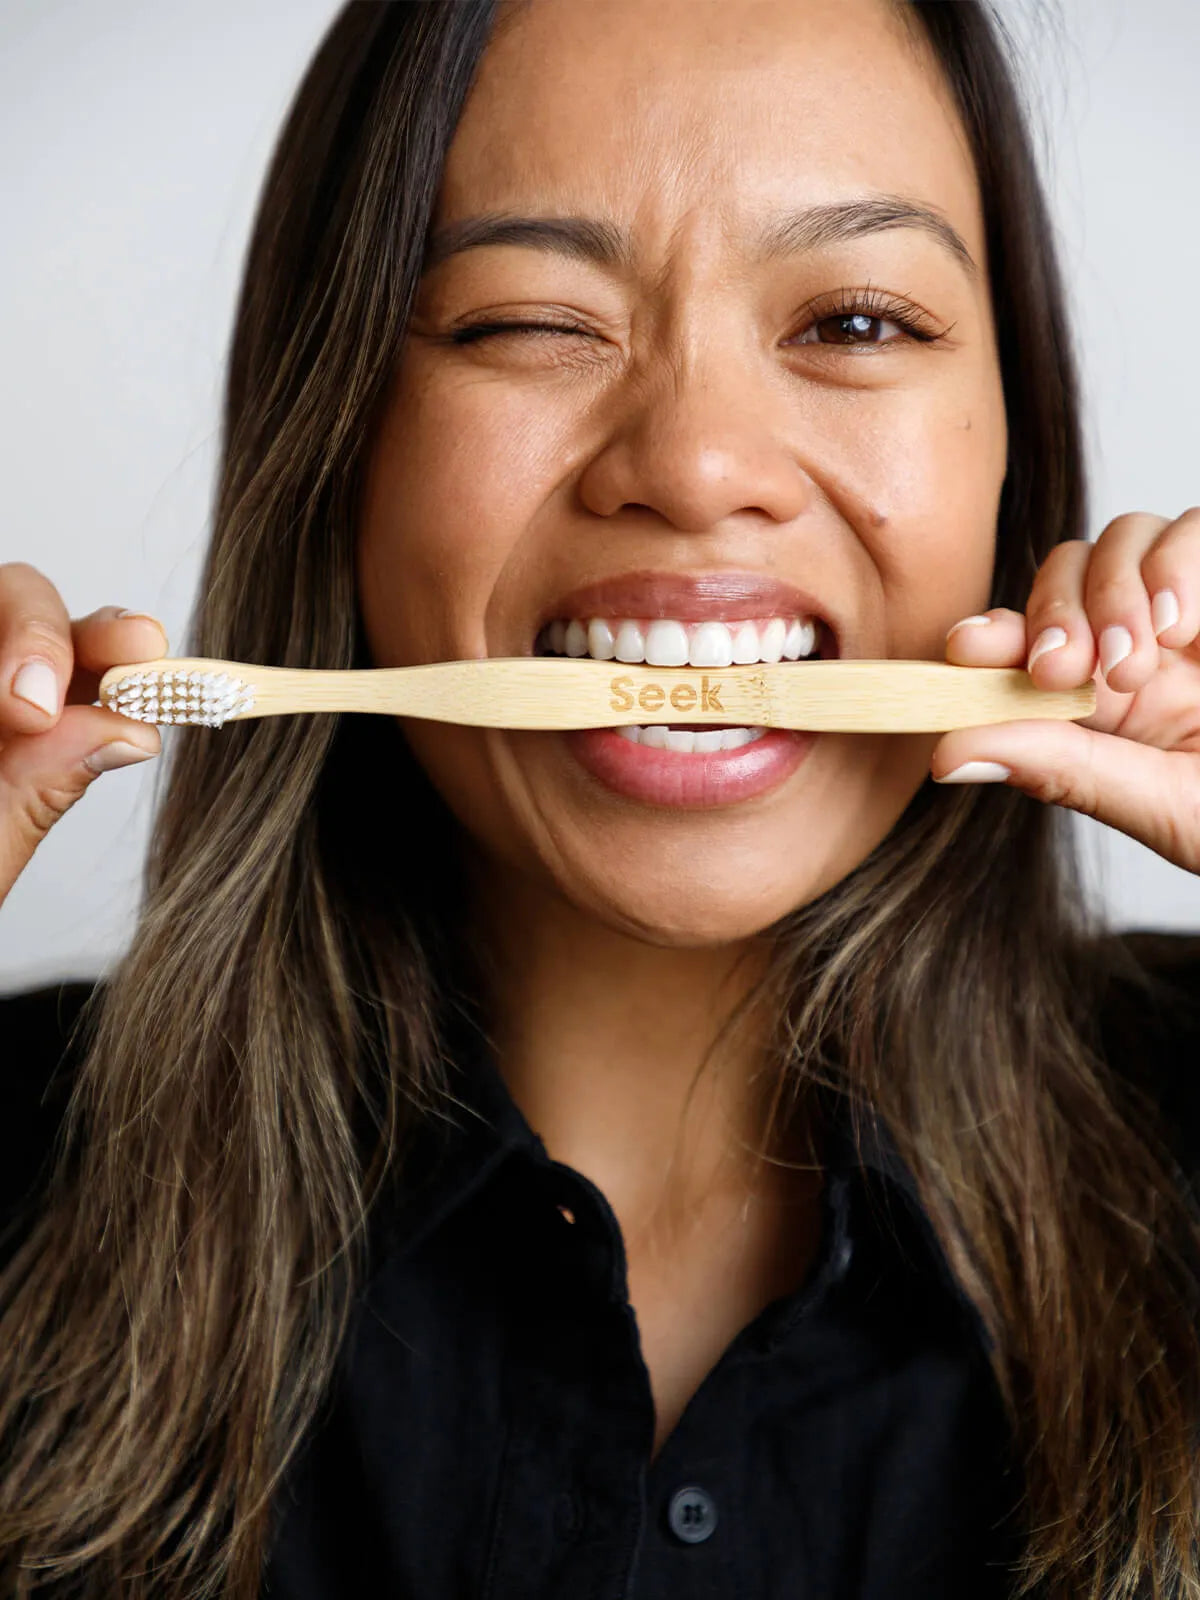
(53,740)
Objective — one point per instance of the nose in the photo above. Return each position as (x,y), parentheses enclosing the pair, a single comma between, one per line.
(702,440)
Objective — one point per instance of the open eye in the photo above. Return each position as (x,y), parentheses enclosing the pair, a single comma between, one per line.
(852,314)
(853,328)
(854,311)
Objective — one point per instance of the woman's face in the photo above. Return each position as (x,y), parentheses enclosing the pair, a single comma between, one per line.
(717,414)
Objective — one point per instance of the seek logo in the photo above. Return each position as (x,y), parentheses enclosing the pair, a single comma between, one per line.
(652,696)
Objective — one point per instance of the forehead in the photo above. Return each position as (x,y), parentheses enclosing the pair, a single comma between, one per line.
(651,110)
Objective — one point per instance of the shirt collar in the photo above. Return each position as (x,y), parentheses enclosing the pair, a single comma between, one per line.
(481,1127)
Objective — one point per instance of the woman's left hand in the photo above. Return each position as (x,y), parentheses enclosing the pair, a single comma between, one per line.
(1132,601)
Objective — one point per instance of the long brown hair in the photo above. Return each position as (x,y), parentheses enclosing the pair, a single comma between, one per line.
(254,1068)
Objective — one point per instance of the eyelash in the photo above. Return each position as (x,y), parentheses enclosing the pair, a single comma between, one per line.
(869,303)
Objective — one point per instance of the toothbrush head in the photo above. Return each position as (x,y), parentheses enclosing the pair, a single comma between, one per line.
(203,699)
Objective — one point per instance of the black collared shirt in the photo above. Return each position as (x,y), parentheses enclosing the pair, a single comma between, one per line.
(488,1434)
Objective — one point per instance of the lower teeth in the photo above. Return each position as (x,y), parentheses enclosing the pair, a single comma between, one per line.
(687,741)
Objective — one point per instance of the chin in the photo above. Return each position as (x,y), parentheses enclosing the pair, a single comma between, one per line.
(692,915)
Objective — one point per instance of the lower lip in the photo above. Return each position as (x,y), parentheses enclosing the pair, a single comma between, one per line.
(674,778)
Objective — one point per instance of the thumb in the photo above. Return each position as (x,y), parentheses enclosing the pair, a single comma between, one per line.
(43,775)
(1150,794)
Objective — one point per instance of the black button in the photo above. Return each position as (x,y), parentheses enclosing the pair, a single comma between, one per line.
(692,1515)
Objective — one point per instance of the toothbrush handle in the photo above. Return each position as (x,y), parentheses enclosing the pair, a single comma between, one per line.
(567,692)
(916,697)
(532,692)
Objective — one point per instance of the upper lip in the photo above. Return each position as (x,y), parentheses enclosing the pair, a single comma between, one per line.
(700,597)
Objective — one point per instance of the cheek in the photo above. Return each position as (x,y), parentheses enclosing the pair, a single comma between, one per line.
(448,492)
(931,484)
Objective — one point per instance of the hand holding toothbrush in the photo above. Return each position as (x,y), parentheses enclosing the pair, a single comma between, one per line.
(53,740)
(1131,602)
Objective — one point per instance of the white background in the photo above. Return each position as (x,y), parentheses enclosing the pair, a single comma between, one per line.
(133,136)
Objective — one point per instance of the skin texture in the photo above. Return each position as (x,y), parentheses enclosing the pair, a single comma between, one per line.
(688,429)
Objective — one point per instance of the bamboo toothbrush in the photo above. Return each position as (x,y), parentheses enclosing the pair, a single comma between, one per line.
(578,692)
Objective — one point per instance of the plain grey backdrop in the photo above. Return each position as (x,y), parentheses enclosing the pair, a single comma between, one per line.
(133,136)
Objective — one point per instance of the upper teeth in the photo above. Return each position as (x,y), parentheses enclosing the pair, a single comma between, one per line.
(666,643)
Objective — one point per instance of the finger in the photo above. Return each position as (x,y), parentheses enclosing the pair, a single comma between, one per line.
(105,639)
(1059,640)
(1150,794)
(1171,574)
(1118,606)
(36,654)
(43,775)
(993,638)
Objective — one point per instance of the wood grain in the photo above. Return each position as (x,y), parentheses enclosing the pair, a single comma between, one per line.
(566,692)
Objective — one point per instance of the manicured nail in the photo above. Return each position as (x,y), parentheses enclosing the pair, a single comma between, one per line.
(37,683)
(977,772)
(969,622)
(1049,639)
(1115,644)
(1164,611)
(120,753)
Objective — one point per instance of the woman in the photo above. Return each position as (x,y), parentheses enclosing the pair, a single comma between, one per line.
(504,1163)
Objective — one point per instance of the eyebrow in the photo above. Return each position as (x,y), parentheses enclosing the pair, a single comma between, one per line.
(603,242)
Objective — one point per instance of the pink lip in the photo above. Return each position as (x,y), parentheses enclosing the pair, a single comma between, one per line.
(728,596)
(665,777)
(669,778)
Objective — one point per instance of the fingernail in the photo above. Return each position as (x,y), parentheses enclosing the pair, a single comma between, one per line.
(1048,639)
(141,616)
(969,622)
(977,772)
(36,682)
(1164,611)
(120,753)
(1115,644)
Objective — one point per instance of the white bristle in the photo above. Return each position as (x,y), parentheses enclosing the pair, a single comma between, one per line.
(203,699)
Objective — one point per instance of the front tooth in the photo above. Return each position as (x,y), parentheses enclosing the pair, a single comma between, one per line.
(745,645)
(631,733)
(711,646)
(681,740)
(770,642)
(630,643)
(666,644)
(600,640)
(655,736)
(708,739)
